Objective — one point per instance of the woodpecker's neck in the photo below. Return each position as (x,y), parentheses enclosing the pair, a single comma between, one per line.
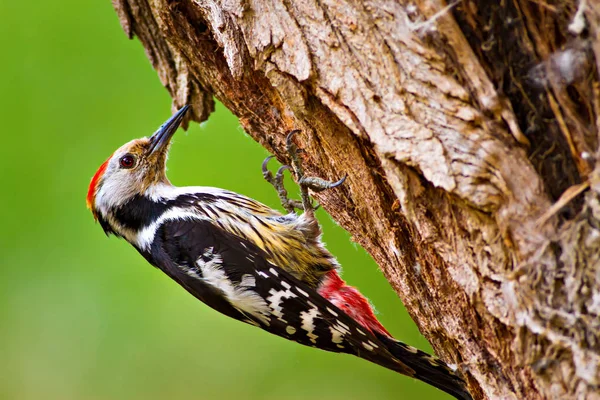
(125,216)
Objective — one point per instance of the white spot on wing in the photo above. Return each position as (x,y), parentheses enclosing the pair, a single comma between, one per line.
(344,325)
(240,297)
(308,323)
(301,291)
(248,281)
(290,330)
(264,275)
(367,346)
(273,271)
(275,299)
(338,331)
(332,312)
(336,336)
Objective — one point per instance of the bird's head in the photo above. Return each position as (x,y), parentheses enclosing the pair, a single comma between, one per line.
(132,170)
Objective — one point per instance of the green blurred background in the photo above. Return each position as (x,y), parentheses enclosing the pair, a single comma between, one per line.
(83,316)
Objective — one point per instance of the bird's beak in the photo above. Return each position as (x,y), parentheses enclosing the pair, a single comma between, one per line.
(161,138)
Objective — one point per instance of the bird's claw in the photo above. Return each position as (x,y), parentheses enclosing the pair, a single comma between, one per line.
(265,170)
(318,184)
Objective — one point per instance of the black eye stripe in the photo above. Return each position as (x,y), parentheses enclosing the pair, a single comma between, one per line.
(127,161)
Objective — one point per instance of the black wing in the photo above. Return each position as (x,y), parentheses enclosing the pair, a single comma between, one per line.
(233,276)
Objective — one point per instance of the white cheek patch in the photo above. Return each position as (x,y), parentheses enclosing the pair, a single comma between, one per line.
(118,185)
(115,190)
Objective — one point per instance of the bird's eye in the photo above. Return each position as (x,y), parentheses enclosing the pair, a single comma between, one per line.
(127,161)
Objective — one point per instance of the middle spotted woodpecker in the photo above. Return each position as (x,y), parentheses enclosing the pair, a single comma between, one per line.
(246,260)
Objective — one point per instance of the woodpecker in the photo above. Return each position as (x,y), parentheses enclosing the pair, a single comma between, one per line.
(246,260)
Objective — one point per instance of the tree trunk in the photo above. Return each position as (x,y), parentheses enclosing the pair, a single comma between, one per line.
(469,134)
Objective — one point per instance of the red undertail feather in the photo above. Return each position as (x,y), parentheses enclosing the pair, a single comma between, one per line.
(94,184)
(349,300)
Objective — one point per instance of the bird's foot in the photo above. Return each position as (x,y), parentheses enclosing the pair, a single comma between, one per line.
(277,181)
(305,182)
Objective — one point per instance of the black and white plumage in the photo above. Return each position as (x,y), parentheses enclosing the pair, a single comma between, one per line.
(246,260)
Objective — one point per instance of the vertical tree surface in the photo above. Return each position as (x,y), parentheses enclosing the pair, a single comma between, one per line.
(469,135)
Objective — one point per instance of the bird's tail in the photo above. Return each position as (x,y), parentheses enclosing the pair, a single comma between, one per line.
(420,365)
(426,368)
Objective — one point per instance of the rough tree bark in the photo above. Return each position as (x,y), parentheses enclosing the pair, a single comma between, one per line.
(469,135)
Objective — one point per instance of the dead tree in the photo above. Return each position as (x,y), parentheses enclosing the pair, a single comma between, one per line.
(469,134)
